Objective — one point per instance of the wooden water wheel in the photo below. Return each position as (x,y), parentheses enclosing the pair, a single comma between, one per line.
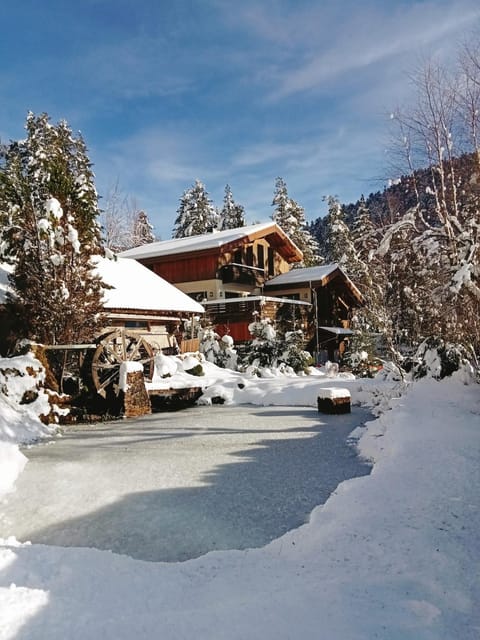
(114,348)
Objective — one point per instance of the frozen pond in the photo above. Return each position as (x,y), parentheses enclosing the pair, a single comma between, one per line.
(173,486)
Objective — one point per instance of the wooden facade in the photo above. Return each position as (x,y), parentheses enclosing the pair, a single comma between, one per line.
(333,296)
(225,271)
(237,272)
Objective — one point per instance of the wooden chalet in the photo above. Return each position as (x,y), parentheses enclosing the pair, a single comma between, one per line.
(239,272)
(226,271)
(333,297)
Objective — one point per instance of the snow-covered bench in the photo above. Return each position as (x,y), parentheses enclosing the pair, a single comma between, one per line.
(333,400)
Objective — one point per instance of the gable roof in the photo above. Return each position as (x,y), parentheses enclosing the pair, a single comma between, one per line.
(217,240)
(313,277)
(136,287)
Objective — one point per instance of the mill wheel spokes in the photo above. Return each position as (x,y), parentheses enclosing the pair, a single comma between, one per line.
(114,348)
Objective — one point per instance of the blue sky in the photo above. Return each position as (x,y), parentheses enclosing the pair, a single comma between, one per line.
(165,92)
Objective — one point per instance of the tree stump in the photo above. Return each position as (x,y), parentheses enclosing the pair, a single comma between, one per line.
(334,400)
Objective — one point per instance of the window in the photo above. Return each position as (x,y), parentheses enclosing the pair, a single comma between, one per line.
(261,256)
(249,256)
(271,262)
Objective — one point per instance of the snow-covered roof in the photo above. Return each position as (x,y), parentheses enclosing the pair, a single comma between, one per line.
(137,287)
(203,242)
(134,287)
(308,274)
(297,277)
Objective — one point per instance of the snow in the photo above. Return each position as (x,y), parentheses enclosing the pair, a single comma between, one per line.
(73,238)
(394,554)
(330,393)
(54,208)
(19,422)
(136,287)
(163,366)
(5,271)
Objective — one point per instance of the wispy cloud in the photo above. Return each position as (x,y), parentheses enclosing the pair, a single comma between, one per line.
(355,39)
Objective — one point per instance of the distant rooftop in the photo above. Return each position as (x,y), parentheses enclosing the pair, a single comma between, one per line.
(203,242)
(308,274)
(313,275)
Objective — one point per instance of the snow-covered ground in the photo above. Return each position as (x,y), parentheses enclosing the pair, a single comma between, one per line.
(391,555)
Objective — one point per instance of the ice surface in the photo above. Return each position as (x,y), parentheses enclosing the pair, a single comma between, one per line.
(175,486)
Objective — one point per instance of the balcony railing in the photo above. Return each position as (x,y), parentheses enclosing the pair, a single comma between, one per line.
(235,273)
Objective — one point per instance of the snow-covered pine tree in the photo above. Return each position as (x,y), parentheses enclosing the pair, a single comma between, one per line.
(338,240)
(142,230)
(49,231)
(196,213)
(232,215)
(290,216)
(367,270)
(282,215)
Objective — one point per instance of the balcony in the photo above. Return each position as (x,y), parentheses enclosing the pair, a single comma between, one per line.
(235,273)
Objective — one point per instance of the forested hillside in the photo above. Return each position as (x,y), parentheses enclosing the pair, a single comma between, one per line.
(414,248)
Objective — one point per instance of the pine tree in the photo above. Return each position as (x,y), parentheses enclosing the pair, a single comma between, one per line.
(290,216)
(232,215)
(196,214)
(282,214)
(50,231)
(142,230)
(338,241)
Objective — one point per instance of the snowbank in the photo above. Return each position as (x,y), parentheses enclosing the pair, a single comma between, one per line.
(19,421)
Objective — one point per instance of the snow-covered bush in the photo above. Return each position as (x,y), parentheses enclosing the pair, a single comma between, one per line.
(227,355)
(218,350)
(269,352)
(438,359)
(294,355)
(192,365)
(264,348)
(163,367)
